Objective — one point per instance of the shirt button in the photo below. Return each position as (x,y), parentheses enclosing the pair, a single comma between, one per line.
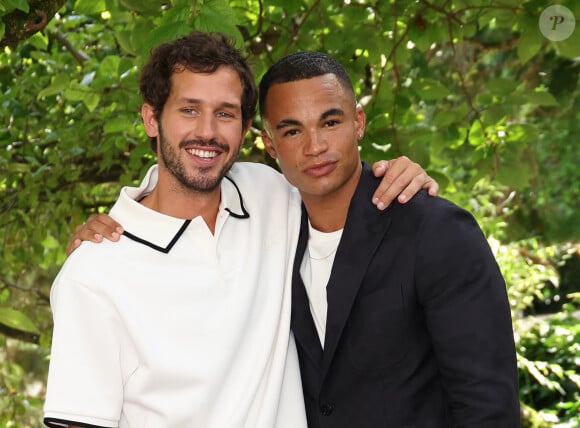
(326,409)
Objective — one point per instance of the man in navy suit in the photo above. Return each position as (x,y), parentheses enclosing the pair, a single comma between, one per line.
(401,316)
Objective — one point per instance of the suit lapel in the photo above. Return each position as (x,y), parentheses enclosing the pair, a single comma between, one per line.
(302,322)
(364,230)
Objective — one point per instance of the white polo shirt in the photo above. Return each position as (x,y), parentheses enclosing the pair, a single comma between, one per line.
(176,327)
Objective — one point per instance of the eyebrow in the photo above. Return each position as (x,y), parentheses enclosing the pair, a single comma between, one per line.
(332,112)
(288,122)
(293,122)
(224,104)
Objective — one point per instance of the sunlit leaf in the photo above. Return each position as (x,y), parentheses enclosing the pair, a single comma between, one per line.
(110,66)
(19,4)
(89,7)
(58,84)
(17,320)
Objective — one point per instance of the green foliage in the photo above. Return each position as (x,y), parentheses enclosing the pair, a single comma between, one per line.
(470,89)
(17,320)
(22,376)
(550,354)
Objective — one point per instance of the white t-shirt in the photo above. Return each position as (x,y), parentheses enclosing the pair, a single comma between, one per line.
(315,272)
(176,327)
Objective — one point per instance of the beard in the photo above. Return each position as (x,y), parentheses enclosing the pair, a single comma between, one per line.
(200,180)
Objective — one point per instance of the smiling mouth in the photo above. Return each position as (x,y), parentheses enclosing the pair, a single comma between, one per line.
(204,154)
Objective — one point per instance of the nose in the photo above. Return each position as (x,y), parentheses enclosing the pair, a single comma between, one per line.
(315,144)
(206,127)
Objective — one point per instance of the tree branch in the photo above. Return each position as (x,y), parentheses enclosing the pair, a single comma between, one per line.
(20,26)
(77,54)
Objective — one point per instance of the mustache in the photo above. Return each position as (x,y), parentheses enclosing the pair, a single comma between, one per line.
(212,143)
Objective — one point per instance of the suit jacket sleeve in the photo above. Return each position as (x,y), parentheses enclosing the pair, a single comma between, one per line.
(468,317)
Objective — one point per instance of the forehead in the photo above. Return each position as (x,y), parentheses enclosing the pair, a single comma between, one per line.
(293,98)
(224,84)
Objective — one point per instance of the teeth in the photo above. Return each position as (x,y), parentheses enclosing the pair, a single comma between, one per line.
(207,154)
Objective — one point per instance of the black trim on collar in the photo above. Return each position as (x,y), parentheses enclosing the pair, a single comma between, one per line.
(186,223)
(157,247)
(63,423)
(245,213)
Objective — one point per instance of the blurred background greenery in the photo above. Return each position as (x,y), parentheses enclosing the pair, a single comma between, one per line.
(471,89)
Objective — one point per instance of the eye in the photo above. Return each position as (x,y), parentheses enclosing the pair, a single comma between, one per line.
(331,123)
(225,115)
(188,110)
(290,133)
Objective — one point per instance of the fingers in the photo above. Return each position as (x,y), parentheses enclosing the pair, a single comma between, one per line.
(431,186)
(380,168)
(402,179)
(97,227)
(399,177)
(415,184)
(104,225)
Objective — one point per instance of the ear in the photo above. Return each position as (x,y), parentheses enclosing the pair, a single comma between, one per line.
(360,122)
(149,120)
(269,145)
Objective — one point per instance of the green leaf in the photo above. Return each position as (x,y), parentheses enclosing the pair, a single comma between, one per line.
(57,85)
(542,99)
(217,15)
(75,91)
(516,175)
(494,114)
(39,41)
(444,118)
(164,32)
(126,42)
(117,124)
(175,23)
(149,7)
(91,100)
(20,5)
(50,242)
(430,89)
(420,37)
(501,86)
(402,101)
(109,66)
(442,179)
(17,320)
(528,47)
(420,153)
(4,295)
(521,133)
(89,7)
(570,47)
(456,114)
(531,39)
(476,135)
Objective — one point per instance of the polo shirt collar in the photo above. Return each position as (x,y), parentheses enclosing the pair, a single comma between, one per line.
(160,231)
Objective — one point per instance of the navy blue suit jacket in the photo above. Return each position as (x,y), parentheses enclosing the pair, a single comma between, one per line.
(419,331)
